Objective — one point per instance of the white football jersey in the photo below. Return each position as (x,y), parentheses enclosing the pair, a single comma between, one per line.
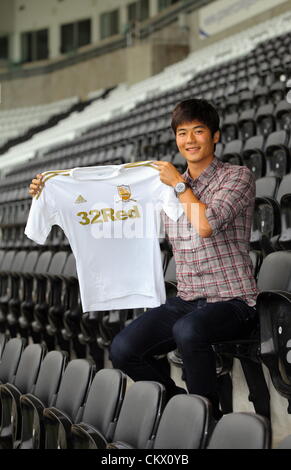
(111,217)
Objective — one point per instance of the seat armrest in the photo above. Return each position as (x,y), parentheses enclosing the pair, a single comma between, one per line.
(32,426)
(58,428)
(85,436)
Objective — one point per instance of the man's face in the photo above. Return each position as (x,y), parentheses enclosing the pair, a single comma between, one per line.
(195,141)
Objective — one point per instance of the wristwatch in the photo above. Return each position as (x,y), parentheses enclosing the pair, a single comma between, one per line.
(180,188)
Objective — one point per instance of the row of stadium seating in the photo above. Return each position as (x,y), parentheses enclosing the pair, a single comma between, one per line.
(52,403)
(40,300)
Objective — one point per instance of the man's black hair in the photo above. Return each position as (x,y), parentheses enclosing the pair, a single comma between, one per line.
(195,110)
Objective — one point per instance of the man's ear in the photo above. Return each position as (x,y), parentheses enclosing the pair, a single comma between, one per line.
(216,137)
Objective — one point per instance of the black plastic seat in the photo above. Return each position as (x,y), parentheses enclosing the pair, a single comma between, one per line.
(275,327)
(241,431)
(247,124)
(184,423)
(229,128)
(277,154)
(232,152)
(265,119)
(267,186)
(39,297)
(266,224)
(26,306)
(101,412)
(277,90)
(10,393)
(72,307)
(5,288)
(253,156)
(10,359)
(139,416)
(44,395)
(56,306)
(260,96)
(285,209)
(15,297)
(283,115)
(70,402)
(284,187)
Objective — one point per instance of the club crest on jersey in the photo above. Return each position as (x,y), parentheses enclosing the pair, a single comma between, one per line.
(80,199)
(124,192)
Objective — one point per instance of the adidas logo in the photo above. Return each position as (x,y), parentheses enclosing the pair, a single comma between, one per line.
(80,199)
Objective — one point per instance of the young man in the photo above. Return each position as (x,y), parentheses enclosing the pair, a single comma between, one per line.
(216,288)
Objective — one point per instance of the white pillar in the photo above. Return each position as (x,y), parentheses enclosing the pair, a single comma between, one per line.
(15,47)
(54,41)
(122,18)
(153,8)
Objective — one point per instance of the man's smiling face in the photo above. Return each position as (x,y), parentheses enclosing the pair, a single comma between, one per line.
(195,141)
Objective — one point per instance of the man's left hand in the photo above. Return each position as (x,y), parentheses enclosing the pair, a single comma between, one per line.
(168,173)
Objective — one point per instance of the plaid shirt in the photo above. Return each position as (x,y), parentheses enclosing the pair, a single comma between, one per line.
(218,267)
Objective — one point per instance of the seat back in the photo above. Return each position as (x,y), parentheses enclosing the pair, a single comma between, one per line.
(74,387)
(10,359)
(104,401)
(275,272)
(49,377)
(241,431)
(28,367)
(139,415)
(275,331)
(184,423)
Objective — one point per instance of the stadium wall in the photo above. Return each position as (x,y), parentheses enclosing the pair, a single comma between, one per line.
(49,81)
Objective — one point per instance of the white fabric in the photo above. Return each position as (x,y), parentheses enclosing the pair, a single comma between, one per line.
(118,256)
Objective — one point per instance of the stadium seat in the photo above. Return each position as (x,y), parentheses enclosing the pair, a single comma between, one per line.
(247,124)
(5,286)
(184,424)
(40,305)
(26,305)
(277,90)
(229,128)
(260,96)
(266,224)
(253,156)
(277,154)
(265,120)
(283,115)
(70,402)
(267,186)
(241,431)
(44,395)
(15,296)
(24,382)
(285,208)
(101,412)
(232,152)
(10,359)
(275,326)
(139,416)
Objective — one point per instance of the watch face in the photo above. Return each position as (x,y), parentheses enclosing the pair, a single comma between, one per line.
(180,187)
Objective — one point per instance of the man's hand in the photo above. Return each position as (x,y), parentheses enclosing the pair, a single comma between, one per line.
(35,185)
(168,173)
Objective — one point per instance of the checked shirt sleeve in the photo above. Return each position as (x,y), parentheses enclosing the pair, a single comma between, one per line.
(235,195)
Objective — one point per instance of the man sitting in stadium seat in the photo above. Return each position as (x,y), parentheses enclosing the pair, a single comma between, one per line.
(216,288)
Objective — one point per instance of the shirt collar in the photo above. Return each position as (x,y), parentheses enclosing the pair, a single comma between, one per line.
(206,175)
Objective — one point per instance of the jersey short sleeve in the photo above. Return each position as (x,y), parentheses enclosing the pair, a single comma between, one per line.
(169,202)
(41,218)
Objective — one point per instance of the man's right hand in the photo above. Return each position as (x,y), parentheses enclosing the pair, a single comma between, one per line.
(35,185)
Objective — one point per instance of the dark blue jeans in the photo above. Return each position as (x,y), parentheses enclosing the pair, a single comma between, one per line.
(190,326)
